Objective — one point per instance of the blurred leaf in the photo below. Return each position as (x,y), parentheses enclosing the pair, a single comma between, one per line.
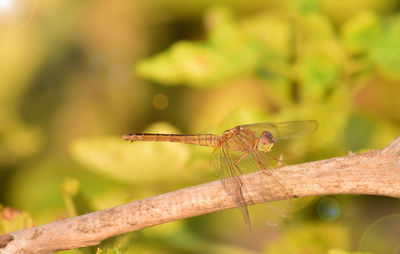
(318,74)
(361,32)
(12,220)
(317,28)
(228,53)
(184,63)
(319,64)
(275,34)
(386,51)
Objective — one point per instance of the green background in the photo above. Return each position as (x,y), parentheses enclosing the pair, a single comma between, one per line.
(77,75)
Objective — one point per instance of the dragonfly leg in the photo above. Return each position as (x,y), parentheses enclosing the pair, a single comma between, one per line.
(237,162)
(280,160)
(259,165)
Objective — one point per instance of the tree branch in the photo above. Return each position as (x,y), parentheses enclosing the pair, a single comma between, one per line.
(372,173)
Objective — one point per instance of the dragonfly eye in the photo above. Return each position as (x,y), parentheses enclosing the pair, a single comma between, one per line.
(266,142)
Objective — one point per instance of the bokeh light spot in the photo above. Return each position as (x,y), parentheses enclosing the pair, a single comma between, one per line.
(328,209)
(15,15)
(6,5)
(160,101)
(382,236)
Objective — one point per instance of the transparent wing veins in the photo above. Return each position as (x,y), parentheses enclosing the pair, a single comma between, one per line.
(227,172)
(285,130)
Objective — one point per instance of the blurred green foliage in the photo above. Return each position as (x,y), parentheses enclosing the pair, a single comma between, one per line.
(78,75)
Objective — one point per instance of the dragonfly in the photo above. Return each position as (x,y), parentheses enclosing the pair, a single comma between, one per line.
(240,149)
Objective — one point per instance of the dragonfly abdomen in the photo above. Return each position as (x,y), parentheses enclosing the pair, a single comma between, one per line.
(202,139)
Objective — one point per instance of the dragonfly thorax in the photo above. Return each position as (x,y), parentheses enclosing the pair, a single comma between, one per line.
(266,142)
(231,132)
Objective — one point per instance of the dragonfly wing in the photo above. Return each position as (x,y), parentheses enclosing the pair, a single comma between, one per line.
(269,179)
(284,130)
(272,182)
(223,162)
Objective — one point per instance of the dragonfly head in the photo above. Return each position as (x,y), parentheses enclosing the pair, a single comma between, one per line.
(266,142)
